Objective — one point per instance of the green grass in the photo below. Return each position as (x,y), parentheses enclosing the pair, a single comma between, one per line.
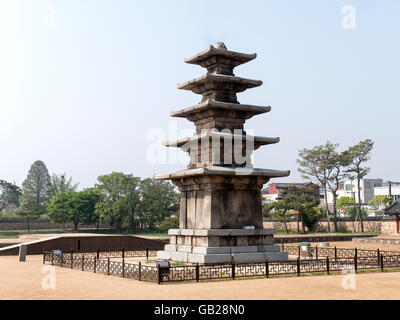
(13,234)
(323,232)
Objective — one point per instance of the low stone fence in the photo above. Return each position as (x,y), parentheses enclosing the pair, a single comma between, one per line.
(42,224)
(80,243)
(383,226)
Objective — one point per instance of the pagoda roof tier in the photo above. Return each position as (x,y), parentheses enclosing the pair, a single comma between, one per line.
(205,58)
(215,82)
(186,143)
(224,171)
(247,110)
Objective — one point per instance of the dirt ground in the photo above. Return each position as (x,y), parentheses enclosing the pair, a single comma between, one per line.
(23,280)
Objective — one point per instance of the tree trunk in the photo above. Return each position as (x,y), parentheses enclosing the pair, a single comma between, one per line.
(327,209)
(303,228)
(97,224)
(298,225)
(28,224)
(335,225)
(286,227)
(132,222)
(76,225)
(359,205)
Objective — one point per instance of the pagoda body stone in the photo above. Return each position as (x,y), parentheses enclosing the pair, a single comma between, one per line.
(220,204)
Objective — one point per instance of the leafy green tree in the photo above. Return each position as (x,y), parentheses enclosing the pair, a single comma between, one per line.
(159,200)
(349,206)
(305,203)
(9,195)
(315,165)
(169,223)
(59,208)
(35,192)
(279,210)
(359,154)
(76,207)
(378,201)
(343,202)
(120,198)
(60,183)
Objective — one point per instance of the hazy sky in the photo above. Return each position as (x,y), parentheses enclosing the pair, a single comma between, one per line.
(84,82)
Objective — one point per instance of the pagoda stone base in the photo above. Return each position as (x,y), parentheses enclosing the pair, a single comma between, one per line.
(222,246)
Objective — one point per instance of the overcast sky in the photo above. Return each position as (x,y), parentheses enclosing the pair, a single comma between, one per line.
(84,82)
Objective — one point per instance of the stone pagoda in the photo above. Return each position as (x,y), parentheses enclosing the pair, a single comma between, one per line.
(220,204)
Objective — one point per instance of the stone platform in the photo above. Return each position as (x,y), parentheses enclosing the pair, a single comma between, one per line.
(221,246)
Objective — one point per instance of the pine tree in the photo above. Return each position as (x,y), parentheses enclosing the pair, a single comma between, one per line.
(35,192)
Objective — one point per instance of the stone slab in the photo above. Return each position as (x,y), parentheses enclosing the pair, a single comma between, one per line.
(164,255)
(211,232)
(179,256)
(249,257)
(187,232)
(170,247)
(215,170)
(243,249)
(268,248)
(184,248)
(174,232)
(211,250)
(209,258)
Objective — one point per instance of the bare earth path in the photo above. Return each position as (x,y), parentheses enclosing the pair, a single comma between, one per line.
(23,281)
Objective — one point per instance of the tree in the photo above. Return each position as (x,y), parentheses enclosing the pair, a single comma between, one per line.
(304,202)
(9,195)
(83,209)
(61,184)
(338,163)
(279,210)
(359,154)
(315,165)
(378,201)
(159,200)
(76,207)
(35,192)
(349,207)
(343,202)
(169,223)
(120,198)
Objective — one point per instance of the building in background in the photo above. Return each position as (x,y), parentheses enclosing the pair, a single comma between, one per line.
(389,189)
(349,189)
(274,190)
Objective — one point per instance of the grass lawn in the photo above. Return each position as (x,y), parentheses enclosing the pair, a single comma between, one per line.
(322,232)
(12,234)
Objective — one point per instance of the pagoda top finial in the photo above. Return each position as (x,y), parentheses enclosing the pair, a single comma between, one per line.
(221,46)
